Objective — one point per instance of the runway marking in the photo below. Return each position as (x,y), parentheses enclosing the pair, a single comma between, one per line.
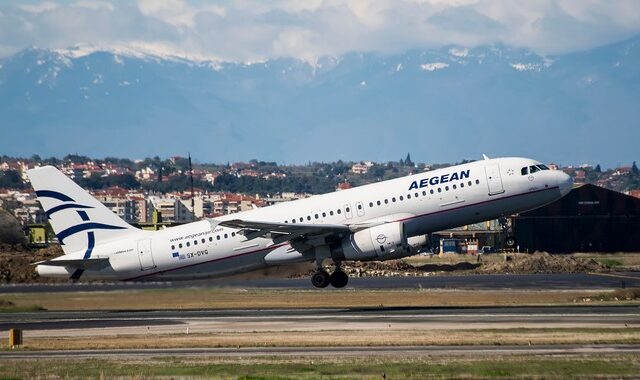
(615,275)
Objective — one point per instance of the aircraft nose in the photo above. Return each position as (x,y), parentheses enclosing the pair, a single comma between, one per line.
(564,181)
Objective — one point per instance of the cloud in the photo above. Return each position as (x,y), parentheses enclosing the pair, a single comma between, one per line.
(251,30)
(38,8)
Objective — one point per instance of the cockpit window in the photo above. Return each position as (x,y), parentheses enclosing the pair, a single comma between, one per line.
(543,167)
(533,169)
(524,171)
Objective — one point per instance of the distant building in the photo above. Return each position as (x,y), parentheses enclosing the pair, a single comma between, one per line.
(588,219)
(343,186)
(361,167)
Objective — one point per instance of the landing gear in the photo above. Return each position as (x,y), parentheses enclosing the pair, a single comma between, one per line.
(320,278)
(339,279)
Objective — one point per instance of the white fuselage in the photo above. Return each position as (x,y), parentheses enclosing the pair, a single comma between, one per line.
(424,202)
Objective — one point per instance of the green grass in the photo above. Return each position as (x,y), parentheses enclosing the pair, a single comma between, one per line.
(318,368)
(611,263)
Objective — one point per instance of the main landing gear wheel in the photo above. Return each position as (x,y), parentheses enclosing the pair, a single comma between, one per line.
(320,279)
(339,279)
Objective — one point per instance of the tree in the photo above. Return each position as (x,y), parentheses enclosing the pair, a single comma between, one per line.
(634,169)
(11,179)
(598,169)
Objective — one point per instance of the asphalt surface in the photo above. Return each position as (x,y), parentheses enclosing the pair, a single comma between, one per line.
(557,281)
(345,351)
(248,319)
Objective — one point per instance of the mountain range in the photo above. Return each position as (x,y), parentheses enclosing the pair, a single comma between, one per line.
(444,104)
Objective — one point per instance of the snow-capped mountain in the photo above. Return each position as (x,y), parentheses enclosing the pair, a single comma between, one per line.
(442,104)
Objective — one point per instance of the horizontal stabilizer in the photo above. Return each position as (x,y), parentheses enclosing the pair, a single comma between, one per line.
(87,264)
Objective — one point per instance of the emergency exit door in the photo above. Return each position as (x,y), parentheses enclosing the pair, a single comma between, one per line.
(494,181)
(145,255)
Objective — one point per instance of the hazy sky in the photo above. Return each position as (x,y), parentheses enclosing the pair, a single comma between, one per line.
(248,30)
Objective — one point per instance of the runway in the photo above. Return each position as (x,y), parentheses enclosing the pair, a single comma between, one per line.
(343,351)
(557,281)
(106,323)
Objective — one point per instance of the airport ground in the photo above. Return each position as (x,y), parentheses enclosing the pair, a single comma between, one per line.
(577,325)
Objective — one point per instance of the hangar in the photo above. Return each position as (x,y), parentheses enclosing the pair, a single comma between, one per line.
(588,219)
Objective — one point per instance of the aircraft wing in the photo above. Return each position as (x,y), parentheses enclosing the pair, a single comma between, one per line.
(90,264)
(281,232)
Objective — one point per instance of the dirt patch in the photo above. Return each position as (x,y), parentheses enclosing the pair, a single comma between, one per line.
(542,262)
(517,263)
(16,263)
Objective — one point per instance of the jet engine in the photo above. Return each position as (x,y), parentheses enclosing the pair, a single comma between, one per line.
(383,242)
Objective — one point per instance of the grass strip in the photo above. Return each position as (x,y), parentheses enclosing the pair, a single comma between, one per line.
(611,366)
(229,298)
(329,338)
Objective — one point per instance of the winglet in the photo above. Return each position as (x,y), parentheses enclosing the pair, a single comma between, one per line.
(485,156)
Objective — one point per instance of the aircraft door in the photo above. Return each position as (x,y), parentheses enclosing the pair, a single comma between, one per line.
(494,181)
(360,208)
(347,211)
(144,254)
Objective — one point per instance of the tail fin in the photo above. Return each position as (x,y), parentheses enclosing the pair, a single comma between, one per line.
(72,210)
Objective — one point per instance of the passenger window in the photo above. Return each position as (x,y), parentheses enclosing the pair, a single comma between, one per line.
(316,216)
(431,191)
(454,187)
(533,169)
(524,171)
(293,220)
(217,237)
(469,183)
(188,244)
(378,203)
(401,198)
(339,211)
(359,207)
(324,214)
(203,241)
(210,238)
(408,196)
(286,221)
(226,236)
(195,242)
(393,199)
(386,201)
(180,245)
(173,247)
(331,212)
(370,204)
(439,190)
(424,193)
(233,234)
(301,219)
(416,194)
(347,209)
(461,184)
(309,217)
(446,188)
(477,181)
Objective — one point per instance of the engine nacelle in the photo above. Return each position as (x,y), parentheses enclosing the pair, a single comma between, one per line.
(418,243)
(383,242)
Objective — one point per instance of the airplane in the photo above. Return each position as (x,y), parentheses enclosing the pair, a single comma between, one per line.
(379,221)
